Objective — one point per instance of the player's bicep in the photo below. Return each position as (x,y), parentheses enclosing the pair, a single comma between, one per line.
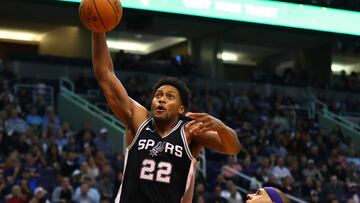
(137,119)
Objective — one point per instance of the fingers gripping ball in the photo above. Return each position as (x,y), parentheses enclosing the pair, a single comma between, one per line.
(100,15)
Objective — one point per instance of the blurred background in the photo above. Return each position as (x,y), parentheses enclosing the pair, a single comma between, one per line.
(285,75)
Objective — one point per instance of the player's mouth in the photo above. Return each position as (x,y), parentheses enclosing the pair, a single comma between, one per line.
(160,109)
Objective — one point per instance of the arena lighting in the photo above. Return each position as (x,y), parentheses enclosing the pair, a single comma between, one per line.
(228,56)
(348,68)
(132,47)
(258,11)
(142,47)
(18,35)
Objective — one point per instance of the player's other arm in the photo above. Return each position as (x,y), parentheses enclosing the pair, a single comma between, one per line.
(128,111)
(212,133)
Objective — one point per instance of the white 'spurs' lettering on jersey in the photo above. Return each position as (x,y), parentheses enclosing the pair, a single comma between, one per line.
(167,147)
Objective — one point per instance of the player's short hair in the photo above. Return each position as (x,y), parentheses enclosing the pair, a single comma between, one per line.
(184,91)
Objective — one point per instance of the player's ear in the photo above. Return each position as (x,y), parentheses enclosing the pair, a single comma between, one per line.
(181,109)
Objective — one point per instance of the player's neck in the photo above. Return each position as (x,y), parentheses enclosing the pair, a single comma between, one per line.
(163,127)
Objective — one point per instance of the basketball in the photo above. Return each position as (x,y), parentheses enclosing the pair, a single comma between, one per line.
(100,15)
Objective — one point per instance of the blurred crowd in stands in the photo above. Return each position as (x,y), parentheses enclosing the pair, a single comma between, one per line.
(289,77)
(42,159)
(165,63)
(182,65)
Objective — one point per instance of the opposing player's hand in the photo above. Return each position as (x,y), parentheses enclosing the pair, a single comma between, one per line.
(203,122)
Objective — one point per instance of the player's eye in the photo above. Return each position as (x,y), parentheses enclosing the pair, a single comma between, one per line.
(170,96)
(158,95)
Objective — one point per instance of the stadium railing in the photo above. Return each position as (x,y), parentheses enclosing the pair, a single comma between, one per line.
(328,120)
(75,109)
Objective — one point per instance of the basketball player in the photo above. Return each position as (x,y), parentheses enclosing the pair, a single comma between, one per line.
(267,195)
(162,148)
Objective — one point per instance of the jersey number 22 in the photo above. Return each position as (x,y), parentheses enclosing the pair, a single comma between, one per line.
(160,172)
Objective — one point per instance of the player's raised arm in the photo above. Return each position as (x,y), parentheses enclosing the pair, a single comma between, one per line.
(125,109)
(212,133)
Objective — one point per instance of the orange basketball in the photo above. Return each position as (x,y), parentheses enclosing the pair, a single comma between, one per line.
(100,15)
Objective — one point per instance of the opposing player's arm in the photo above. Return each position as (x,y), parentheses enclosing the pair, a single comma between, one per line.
(212,133)
(128,111)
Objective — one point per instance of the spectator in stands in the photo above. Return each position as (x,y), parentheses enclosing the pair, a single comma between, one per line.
(199,191)
(118,162)
(67,130)
(69,162)
(308,188)
(72,145)
(15,124)
(85,170)
(311,170)
(199,199)
(40,196)
(102,142)
(353,193)
(267,195)
(16,195)
(33,119)
(352,174)
(86,127)
(280,170)
(294,169)
(86,193)
(27,181)
(334,190)
(33,163)
(248,168)
(63,193)
(319,191)
(85,156)
(52,157)
(216,196)
(50,118)
(288,185)
(99,159)
(87,142)
(235,196)
(60,140)
(94,170)
(281,121)
(105,185)
(230,193)
(76,178)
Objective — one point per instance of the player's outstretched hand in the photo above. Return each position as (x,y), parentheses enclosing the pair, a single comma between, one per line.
(203,122)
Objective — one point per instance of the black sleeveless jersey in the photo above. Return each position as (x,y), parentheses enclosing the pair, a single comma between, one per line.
(158,169)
